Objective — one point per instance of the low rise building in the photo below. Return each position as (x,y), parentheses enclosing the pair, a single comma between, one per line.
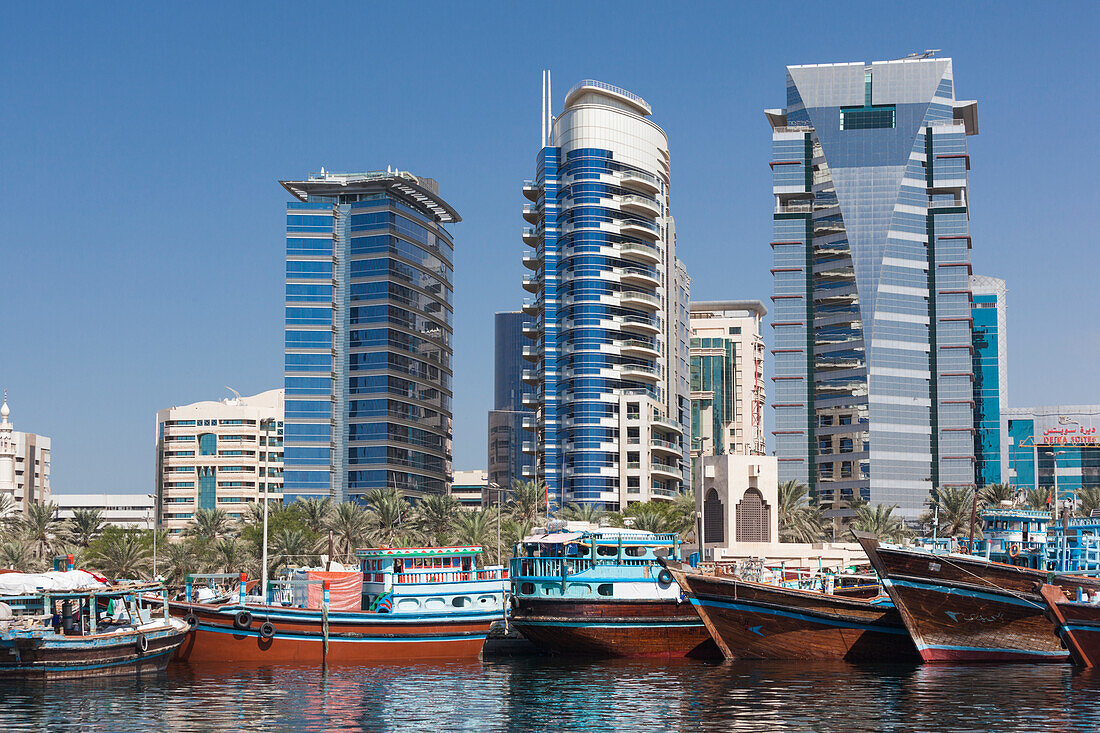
(1056,448)
(468,487)
(220,454)
(739,500)
(24,463)
(121,510)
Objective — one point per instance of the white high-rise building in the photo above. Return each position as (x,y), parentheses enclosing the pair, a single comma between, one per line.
(24,463)
(607,320)
(218,455)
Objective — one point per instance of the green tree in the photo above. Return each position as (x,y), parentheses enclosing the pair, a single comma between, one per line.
(292,547)
(1088,501)
(39,526)
(314,512)
(120,553)
(955,506)
(994,494)
(583,513)
(210,525)
(1040,499)
(798,520)
(387,514)
(880,522)
(434,516)
(230,555)
(16,554)
(479,527)
(527,498)
(85,526)
(350,527)
(177,560)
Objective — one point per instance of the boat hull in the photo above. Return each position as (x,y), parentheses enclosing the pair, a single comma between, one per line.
(101,655)
(353,638)
(1078,626)
(758,621)
(965,609)
(613,628)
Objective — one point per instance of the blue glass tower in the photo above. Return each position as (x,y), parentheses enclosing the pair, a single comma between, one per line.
(873,391)
(1054,446)
(507,461)
(990,378)
(369,313)
(606,326)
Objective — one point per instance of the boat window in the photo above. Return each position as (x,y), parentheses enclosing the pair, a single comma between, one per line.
(607,551)
(605,589)
(460,601)
(526,588)
(635,551)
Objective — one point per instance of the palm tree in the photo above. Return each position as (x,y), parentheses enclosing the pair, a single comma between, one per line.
(479,527)
(994,494)
(16,555)
(349,525)
(880,522)
(650,518)
(583,513)
(178,560)
(291,546)
(314,512)
(7,508)
(434,516)
(85,526)
(1088,501)
(798,520)
(955,505)
(1040,499)
(121,554)
(229,555)
(210,525)
(387,514)
(39,525)
(527,497)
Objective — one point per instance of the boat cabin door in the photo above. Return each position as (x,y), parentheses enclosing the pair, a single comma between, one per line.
(466,562)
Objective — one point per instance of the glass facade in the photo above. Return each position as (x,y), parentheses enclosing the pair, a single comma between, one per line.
(507,461)
(714,384)
(990,377)
(1045,441)
(603,320)
(873,371)
(369,326)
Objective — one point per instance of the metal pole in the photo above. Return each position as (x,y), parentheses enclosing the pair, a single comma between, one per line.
(267,465)
(154,517)
(973,516)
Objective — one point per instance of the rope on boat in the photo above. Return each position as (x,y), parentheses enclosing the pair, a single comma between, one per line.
(994,585)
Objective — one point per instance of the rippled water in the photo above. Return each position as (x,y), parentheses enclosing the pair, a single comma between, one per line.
(546,694)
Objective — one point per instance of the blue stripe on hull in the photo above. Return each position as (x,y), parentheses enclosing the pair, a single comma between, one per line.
(950,590)
(338,639)
(612,625)
(84,667)
(819,620)
(993,649)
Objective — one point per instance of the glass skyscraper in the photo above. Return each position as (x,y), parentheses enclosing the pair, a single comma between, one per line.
(369,314)
(507,461)
(873,371)
(605,323)
(990,378)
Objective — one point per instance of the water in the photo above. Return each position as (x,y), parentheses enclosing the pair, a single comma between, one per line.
(547,694)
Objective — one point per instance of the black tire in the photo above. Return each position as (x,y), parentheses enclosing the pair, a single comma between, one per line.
(664,577)
(242,620)
(267,630)
(191,620)
(142,643)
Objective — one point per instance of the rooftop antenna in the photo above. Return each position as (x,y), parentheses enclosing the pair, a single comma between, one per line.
(238,394)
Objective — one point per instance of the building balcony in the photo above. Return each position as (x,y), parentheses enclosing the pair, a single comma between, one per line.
(529,447)
(532,307)
(640,205)
(532,352)
(666,424)
(527,472)
(640,181)
(639,348)
(643,229)
(638,276)
(664,446)
(640,252)
(532,329)
(529,422)
(532,190)
(641,324)
(533,260)
(530,376)
(636,299)
(531,400)
(532,283)
(531,235)
(665,469)
(531,213)
(640,371)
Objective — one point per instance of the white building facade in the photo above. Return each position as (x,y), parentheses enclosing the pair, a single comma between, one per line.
(24,463)
(220,454)
(121,510)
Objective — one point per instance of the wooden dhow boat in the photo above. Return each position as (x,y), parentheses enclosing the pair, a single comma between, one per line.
(750,620)
(965,608)
(402,604)
(1076,621)
(69,624)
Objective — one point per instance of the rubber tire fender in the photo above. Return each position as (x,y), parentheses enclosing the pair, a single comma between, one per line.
(664,577)
(142,643)
(267,630)
(242,620)
(192,621)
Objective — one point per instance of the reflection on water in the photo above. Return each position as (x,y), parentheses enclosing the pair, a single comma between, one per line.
(543,694)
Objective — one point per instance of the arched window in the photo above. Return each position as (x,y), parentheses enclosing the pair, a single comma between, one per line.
(753,518)
(714,529)
(208,444)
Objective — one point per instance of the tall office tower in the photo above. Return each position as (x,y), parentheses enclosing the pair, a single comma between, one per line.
(873,392)
(610,409)
(507,461)
(368,335)
(24,463)
(990,379)
(218,454)
(727,378)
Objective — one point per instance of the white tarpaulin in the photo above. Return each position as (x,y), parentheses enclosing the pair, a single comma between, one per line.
(20,584)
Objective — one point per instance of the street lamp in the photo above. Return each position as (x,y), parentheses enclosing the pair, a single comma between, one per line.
(1054,457)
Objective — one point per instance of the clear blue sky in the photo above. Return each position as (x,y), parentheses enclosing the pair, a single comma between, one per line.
(141,224)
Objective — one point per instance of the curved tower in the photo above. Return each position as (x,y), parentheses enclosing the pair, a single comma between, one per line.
(369,314)
(605,319)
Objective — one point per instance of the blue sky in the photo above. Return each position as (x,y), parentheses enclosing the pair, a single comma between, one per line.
(141,224)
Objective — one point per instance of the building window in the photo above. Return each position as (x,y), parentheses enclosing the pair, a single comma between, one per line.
(753,518)
(825,470)
(734,330)
(845,445)
(825,445)
(825,420)
(713,529)
(208,444)
(846,469)
(845,419)
(868,118)
(633,412)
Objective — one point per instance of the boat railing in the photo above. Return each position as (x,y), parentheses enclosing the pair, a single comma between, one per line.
(436,575)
